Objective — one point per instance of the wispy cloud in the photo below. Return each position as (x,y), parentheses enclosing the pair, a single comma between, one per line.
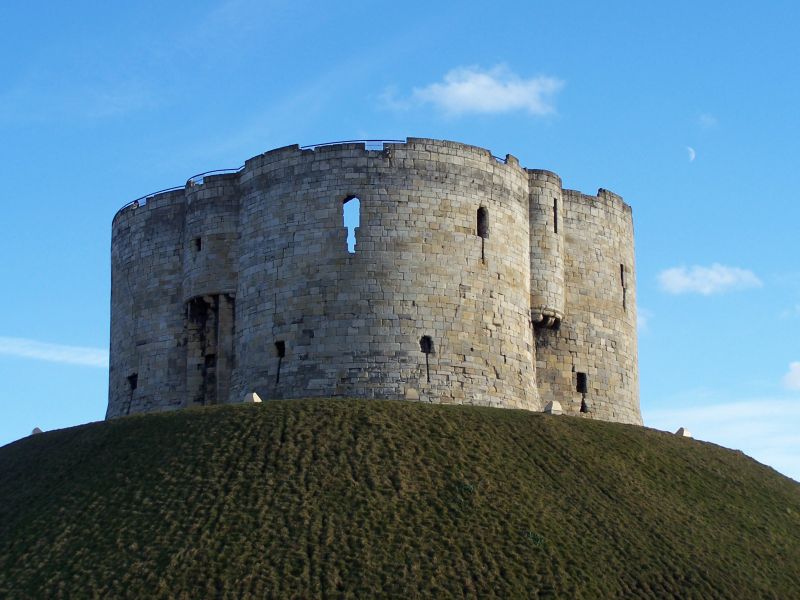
(643,317)
(715,279)
(792,312)
(472,90)
(39,100)
(707,121)
(768,429)
(71,355)
(792,379)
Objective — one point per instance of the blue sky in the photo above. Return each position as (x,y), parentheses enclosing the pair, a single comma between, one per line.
(688,110)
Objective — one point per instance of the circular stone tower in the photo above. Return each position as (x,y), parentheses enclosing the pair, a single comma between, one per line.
(244,282)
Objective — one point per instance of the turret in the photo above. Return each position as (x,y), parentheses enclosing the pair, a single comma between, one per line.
(547,248)
(209,285)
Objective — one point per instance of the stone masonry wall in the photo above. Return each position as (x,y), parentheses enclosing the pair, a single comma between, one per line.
(243,282)
(352,324)
(147,362)
(597,336)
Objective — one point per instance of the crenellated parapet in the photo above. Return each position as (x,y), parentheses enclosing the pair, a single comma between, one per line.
(470,282)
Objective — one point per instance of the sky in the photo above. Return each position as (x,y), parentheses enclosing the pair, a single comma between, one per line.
(688,110)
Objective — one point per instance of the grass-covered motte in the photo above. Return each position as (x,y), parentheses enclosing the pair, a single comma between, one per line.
(330,498)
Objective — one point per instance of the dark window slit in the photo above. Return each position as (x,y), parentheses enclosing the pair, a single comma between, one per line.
(582,383)
(280,351)
(426,345)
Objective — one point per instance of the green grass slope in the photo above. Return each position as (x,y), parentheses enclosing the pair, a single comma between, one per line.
(335,498)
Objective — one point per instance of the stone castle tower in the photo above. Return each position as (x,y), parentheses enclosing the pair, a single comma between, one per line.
(473,281)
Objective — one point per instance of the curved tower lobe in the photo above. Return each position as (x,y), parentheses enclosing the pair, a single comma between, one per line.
(547,248)
(210,260)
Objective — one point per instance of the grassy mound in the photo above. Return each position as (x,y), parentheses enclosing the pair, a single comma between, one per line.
(335,498)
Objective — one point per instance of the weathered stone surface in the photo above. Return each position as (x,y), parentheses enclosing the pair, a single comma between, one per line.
(242,282)
(683,432)
(553,408)
(252,397)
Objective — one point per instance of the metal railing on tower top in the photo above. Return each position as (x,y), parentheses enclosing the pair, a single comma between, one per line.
(200,177)
(365,142)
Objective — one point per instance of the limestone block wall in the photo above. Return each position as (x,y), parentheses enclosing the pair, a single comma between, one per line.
(595,345)
(210,263)
(547,248)
(147,359)
(473,281)
(353,324)
(210,251)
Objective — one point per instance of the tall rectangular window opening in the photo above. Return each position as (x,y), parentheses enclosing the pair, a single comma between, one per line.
(280,352)
(624,287)
(351,217)
(483,229)
(582,383)
(426,346)
(133,383)
(555,215)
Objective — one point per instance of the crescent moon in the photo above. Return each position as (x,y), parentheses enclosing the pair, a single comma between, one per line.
(692,153)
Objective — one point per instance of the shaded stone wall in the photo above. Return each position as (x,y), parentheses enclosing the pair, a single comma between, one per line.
(147,360)
(458,268)
(597,336)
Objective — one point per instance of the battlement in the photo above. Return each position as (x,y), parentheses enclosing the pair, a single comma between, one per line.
(473,280)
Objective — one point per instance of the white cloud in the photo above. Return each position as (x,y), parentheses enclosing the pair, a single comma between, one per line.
(707,121)
(473,90)
(763,428)
(692,153)
(792,379)
(71,355)
(39,100)
(643,317)
(707,280)
(791,312)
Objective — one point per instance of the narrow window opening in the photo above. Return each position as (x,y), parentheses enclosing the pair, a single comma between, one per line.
(584,406)
(426,345)
(624,287)
(133,382)
(483,222)
(198,244)
(351,216)
(555,215)
(280,351)
(583,383)
(483,229)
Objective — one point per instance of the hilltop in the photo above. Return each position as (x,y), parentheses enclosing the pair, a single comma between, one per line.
(356,498)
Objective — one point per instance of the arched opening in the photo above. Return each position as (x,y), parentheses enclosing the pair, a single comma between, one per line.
(351,217)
